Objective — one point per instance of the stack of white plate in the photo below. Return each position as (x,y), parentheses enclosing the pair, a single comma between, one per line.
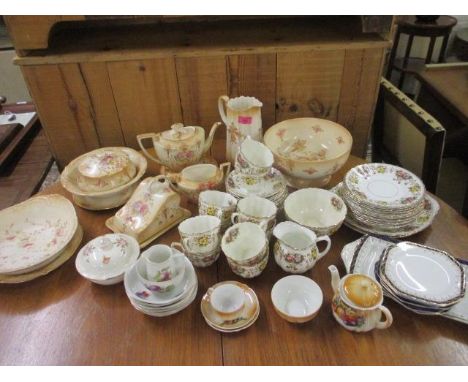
(271,186)
(35,235)
(386,200)
(423,280)
(158,304)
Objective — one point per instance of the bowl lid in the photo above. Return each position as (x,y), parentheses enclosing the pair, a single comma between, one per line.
(103,163)
(107,256)
(362,291)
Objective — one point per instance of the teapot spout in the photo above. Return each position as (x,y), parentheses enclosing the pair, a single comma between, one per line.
(209,140)
(335,278)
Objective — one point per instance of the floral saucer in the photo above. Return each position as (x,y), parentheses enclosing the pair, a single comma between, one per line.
(245,319)
(241,185)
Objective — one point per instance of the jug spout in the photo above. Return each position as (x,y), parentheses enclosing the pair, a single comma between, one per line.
(209,139)
(335,277)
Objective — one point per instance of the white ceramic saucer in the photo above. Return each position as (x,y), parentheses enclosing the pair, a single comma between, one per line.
(241,185)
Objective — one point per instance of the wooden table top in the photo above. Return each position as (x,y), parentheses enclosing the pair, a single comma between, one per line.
(449,83)
(63,319)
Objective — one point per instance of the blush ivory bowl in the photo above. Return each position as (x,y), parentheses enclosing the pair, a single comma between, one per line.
(297,299)
(103,200)
(319,210)
(308,150)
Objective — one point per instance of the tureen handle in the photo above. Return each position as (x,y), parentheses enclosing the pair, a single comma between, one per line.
(325,251)
(140,139)
(222,101)
(388,321)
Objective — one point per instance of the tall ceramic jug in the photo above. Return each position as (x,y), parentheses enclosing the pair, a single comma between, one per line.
(242,117)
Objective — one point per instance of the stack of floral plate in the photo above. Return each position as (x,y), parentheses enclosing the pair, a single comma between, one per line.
(386,200)
(36,237)
(423,280)
(157,304)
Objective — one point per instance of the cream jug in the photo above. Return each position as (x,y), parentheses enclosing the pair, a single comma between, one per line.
(242,117)
(296,247)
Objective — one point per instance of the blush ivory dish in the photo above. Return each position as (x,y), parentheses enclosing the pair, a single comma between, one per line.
(105,259)
(320,210)
(102,199)
(308,150)
(34,232)
(296,299)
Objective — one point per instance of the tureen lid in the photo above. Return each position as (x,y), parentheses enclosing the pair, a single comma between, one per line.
(107,256)
(103,163)
(178,132)
(362,291)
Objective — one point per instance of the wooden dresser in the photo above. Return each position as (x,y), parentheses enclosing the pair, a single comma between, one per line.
(99,81)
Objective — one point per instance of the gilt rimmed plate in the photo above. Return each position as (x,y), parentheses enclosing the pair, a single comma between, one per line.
(34,232)
(423,274)
(384,185)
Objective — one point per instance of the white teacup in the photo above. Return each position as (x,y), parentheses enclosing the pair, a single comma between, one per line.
(253,158)
(200,234)
(256,210)
(227,300)
(159,262)
(219,204)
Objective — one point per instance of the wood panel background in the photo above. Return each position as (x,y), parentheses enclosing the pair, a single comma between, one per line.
(90,104)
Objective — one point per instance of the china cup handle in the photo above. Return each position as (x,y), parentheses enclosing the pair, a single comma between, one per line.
(388,321)
(209,292)
(140,139)
(325,251)
(222,101)
(235,217)
(225,168)
(263,225)
(177,245)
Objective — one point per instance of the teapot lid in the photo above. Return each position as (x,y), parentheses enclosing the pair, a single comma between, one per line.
(103,163)
(178,132)
(362,291)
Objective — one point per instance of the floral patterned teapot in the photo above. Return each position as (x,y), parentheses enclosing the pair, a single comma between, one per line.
(357,302)
(296,248)
(179,147)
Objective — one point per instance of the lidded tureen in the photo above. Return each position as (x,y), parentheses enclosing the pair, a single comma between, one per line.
(180,146)
(103,170)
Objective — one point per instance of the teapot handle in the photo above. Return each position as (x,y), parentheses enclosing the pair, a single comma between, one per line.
(225,168)
(388,318)
(325,251)
(140,138)
(222,101)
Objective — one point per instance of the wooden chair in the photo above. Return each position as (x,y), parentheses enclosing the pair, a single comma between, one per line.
(406,135)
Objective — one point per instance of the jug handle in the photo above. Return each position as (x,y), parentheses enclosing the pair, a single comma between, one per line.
(325,251)
(388,321)
(222,101)
(140,139)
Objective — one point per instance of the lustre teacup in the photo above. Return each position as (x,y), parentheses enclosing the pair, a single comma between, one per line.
(227,300)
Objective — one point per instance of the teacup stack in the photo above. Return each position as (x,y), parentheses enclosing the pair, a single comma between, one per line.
(162,282)
(200,239)
(254,174)
(246,248)
(230,306)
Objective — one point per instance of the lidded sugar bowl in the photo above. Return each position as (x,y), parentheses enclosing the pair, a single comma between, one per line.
(180,146)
